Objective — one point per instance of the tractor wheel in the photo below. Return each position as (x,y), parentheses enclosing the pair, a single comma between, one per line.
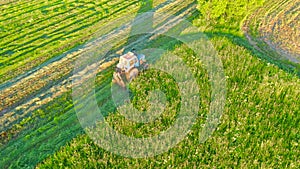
(132,74)
(145,66)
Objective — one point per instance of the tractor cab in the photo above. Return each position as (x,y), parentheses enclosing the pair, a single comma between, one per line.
(128,61)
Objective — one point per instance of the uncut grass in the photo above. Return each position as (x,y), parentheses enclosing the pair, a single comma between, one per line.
(140,88)
(258,128)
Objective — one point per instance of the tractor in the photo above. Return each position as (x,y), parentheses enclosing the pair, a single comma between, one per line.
(128,68)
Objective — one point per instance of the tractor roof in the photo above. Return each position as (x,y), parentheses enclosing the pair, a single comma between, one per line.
(128,56)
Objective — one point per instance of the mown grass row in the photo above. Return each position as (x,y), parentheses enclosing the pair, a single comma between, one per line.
(14,8)
(3,3)
(17,116)
(27,26)
(15,15)
(58,35)
(52,49)
(240,128)
(55,23)
(280,26)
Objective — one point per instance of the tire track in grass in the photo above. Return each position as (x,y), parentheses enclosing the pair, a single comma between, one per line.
(45,28)
(51,19)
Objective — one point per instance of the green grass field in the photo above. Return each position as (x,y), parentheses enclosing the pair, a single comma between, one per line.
(40,40)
